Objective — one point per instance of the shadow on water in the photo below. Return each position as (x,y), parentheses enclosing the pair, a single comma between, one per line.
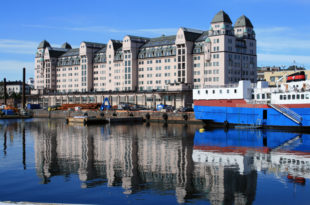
(219,166)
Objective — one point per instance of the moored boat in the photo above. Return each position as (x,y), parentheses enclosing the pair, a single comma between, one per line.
(256,105)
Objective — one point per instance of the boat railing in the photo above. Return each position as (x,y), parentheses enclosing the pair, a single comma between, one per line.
(258,101)
(221,86)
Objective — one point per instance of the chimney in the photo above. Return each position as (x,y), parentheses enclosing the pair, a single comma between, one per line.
(4,90)
(23,97)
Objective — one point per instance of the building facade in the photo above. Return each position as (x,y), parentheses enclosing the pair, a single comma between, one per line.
(224,54)
(14,87)
(272,77)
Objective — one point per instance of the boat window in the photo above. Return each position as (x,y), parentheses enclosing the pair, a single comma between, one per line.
(289,97)
(263,96)
(268,95)
(307,96)
(198,92)
(227,90)
(213,91)
(284,97)
(257,96)
(302,96)
(297,96)
(252,96)
(206,91)
(281,97)
(221,91)
(235,90)
(293,97)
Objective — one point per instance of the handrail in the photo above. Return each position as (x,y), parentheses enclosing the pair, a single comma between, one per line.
(287,112)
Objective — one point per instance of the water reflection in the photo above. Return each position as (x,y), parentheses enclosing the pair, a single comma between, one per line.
(135,157)
(217,166)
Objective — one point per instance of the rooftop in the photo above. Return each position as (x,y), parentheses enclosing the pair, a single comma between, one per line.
(221,16)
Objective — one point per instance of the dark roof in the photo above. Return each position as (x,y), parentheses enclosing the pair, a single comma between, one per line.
(221,16)
(191,34)
(12,83)
(94,45)
(243,21)
(56,52)
(160,41)
(203,36)
(116,44)
(66,45)
(138,39)
(44,44)
(72,52)
(102,50)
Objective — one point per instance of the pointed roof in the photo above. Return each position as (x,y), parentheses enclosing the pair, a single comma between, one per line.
(44,44)
(243,21)
(66,45)
(191,34)
(221,16)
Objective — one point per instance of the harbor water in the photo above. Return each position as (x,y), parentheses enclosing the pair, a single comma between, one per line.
(49,161)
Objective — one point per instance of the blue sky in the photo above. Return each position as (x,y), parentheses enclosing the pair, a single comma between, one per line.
(282,26)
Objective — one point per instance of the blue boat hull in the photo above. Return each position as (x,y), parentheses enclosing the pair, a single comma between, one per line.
(267,117)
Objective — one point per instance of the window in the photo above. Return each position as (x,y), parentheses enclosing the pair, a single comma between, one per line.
(289,97)
(227,91)
(257,96)
(302,96)
(297,96)
(235,90)
(206,91)
(293,97)
(213,91)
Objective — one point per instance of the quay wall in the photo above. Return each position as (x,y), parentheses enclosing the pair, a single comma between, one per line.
(149,116)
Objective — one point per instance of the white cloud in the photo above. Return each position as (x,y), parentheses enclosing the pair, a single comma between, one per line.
(13,70)
(276,29)
(283,44)
(278,59)
(104,29)
(283,40)
(17,46)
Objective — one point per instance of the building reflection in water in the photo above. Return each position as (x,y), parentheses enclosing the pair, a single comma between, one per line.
(140,157)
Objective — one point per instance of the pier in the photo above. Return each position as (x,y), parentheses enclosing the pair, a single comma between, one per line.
(119,116)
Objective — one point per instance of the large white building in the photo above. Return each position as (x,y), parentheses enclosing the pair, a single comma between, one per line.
(224,54)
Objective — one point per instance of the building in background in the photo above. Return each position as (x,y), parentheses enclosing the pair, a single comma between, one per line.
(30,82)
(224,54)
(14,87)
(273,76)
(261,71)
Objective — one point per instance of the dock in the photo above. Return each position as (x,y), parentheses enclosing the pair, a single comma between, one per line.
(86,120)
(125,119)
(119,116)
(102,120)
